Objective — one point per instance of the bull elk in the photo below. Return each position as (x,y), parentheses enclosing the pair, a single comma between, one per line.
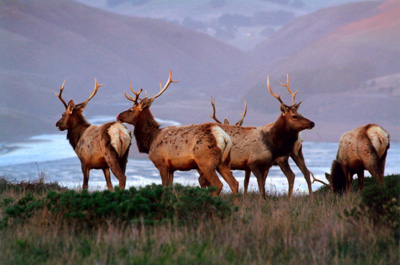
(97,147)
(282,162)
(256,149)
(363,148)
(205,147)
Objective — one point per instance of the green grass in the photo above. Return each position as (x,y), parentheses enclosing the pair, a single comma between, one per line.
(185,225)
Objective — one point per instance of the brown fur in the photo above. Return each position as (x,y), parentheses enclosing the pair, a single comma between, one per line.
(363,148)
(204,147)
(256,149)
(93,146)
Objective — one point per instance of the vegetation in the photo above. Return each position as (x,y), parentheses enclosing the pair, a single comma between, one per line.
(185,225)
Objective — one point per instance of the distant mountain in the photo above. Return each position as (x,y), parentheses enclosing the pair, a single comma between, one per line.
(243,24)
(344,61)
(45,42)
(341,60)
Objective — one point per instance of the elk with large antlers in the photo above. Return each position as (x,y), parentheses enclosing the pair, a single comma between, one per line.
(256,149)
(363,148)
(205,147)
(282,162)
(97,147)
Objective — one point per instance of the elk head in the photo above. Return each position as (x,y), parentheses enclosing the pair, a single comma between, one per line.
(73,113)
(294,120)
(131,116)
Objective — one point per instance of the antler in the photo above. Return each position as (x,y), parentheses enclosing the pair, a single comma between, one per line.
(287,86)
(213,115)
(315,179)
(278,97)
(166,85)
(136,94)
(96,87)
(59,95)
(240,122)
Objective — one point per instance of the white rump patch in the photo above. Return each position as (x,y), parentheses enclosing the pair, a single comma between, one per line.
(120,137)
(224,142)
(379,139)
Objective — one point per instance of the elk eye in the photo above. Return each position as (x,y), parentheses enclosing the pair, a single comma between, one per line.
(294,117)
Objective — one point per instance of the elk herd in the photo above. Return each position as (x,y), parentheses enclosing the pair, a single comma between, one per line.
(218,147)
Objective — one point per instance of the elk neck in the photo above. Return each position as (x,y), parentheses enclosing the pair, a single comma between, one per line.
(280,138)
(77,126)
(146,130)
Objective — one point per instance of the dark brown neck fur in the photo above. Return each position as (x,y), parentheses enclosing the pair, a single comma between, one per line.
(77,125)
(280,139)
(146,129)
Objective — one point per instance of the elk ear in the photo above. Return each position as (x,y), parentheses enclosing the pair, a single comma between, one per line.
(297,106)
(284,109)
(146,102)
(328,177)
(71,106)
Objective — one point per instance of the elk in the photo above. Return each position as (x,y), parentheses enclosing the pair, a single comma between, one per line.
(282,162)
(97,147)
(205,147)
(256,149)
(363,148)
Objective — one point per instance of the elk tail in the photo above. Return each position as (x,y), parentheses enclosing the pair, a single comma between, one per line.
(224,142)
(120,138)
(379,139)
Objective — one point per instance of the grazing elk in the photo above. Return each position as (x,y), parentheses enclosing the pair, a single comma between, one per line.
(362,148)
(282,162)
(98,147)
(205,147)
(258,148)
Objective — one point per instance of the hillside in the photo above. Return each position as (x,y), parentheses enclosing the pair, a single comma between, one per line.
(346,73)
(344,61)
(51,41)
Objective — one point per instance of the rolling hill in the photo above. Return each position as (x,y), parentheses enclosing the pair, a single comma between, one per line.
(47,42)
(344,61)
(347,73)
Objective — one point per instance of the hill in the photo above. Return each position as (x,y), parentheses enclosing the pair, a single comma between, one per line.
(51,41)
(346,71)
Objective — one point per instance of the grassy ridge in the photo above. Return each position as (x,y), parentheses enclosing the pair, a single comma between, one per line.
(362,228)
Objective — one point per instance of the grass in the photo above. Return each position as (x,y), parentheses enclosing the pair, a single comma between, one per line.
(328,229)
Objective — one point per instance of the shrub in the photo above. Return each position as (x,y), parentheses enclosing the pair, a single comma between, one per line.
(380,204)
(149,205)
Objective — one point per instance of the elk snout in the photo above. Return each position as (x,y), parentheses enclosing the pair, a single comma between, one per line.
(119,118)
(59,125)
(312,124)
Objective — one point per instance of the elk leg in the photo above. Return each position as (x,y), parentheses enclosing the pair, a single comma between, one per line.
(261,177)
(301,164)
(225,171)
(348,180)
(170,177)
(202,180)
(376,173)
(284,165)
(113,163)
(164,173)
(212,178)
(360,176)
(376,167)
(106,172)
(85,171)
(247,173)
(119,174)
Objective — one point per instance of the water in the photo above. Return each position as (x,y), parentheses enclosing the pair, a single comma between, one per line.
(52,155)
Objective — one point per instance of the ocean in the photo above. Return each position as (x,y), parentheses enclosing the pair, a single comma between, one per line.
(51,155)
